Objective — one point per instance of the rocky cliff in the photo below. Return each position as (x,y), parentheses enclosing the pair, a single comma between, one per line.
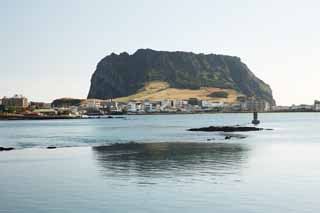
(124,74)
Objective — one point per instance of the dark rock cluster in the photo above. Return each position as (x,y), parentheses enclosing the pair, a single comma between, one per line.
(6,149)
(226,129)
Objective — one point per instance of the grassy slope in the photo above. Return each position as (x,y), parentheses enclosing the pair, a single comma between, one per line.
(158,90)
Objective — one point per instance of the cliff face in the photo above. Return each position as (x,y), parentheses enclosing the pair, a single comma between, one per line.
(124,74)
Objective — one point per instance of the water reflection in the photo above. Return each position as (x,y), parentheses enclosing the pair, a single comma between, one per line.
(170,160)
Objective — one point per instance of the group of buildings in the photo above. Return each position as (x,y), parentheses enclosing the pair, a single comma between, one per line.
(298,108)
(80,107)
(194,105)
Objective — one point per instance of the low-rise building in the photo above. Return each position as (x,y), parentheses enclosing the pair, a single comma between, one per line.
(211,104)
(152,106)
(39,105)
(111,107)
(46,112)
(91,104)
(131,107)
(280,108)
(301,107)
(165,104)
(135,107)
(148,106)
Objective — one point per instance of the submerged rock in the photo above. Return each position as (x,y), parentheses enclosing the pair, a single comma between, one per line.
(226,129)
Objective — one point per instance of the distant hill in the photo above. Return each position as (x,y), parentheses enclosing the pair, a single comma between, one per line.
(182,74)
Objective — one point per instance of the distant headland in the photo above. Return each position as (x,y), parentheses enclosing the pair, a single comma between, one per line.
(183,75)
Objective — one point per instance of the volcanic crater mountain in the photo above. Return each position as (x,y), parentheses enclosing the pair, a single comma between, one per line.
(151,74)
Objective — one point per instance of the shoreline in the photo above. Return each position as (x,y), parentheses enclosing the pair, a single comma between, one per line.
(21,117)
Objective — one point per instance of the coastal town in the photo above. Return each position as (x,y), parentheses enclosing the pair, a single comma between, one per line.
(19,107)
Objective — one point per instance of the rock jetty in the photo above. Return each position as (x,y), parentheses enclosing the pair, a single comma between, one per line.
(226,129)
(6,148)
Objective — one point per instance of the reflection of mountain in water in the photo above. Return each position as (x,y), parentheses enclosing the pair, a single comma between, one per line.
(165,160)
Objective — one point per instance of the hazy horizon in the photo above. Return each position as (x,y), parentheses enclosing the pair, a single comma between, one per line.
(50,48)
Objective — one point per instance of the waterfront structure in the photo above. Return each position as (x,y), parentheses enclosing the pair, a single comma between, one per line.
(135,107)
(46,112)
(91,104)
(131,107)
(316,105)
(211,105)
(152,106)
(111,107)
(255,105)
(280,108)
(302,107)
(78,107)
(251,104)
(17,102)
(255,120)
(39,105)
(165,104)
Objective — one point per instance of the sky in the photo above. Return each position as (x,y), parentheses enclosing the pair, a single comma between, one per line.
(49,49)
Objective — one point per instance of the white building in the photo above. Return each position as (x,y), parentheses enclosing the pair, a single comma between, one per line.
(210,104)
(301,107)
(267,106)
(91,104)
(131,107)
(181,105)
(148,106)
(280,108)
(165,104)
(135,107)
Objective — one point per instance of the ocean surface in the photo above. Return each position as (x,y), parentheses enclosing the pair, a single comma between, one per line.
(150,163)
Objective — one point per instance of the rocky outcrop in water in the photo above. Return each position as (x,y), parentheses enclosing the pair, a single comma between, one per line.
(226,129)
(6,149)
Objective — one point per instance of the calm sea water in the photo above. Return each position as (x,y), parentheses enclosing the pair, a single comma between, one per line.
(168,169)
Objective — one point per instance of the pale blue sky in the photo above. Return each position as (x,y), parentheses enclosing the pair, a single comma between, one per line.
(49,49)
